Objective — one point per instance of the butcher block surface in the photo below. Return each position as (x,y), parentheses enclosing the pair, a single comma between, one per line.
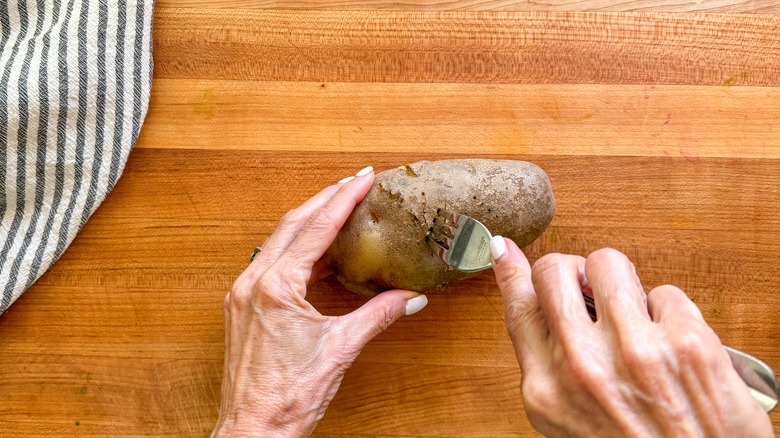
(658,123)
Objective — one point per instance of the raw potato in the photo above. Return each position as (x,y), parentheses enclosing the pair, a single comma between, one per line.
(383,245)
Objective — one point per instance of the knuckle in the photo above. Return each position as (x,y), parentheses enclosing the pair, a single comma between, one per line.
(267,287)
(274,290)
(642,359)
(612,258)
(547,263)
(583,370)
(513,316)
(384,318)
(263,284)
(699,346)
(607,254)
(240,293)
(674,301)
(242,284)
(578,369)
(292,218)
(520,313)
(538,398)
(666,292)
(323,219)
(691,347)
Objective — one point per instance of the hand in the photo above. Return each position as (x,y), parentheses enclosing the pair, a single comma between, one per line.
(284,361)
(649,366)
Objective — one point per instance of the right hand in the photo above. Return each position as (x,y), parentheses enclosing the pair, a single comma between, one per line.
(649,366)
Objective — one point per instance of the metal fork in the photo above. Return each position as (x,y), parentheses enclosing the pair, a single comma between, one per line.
(463,243)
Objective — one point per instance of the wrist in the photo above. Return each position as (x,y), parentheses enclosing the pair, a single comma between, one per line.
(233,424)
(224,429)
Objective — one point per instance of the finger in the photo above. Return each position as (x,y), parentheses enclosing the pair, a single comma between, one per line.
(289,227)
(226,312)
(322,226)
(670,307)
(523,317)
(226,378)
(617,292)
(319,271)
(558,280)
(376,315)
(667,303)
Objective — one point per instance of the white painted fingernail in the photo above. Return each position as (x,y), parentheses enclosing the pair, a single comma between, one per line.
(346,180)
(365,171)
(497,247)
(416,304)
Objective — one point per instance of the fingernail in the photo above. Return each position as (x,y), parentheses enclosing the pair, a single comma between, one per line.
(416,304)
(346,180)
(497,247)
(365,171)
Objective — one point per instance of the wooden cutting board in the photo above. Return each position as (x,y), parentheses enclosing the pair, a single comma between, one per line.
(658,123)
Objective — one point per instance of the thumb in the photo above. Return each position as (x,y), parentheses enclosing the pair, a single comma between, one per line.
(523,315)
(380,312)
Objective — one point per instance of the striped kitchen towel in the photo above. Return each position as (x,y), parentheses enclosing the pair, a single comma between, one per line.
(74,89)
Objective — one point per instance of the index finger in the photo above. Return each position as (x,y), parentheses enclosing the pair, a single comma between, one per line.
(322,226)
(289,227)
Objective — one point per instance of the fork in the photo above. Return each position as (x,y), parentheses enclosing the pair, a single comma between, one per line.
(463,243)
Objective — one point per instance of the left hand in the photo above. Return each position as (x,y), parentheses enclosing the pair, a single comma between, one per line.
(284,361)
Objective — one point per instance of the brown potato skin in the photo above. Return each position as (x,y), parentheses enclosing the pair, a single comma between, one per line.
(383,245)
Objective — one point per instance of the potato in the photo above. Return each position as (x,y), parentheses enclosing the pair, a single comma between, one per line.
(383,243)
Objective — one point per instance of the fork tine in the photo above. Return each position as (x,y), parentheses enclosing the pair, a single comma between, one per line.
(442,232)
(459,240)
(441,240)
(448,216)
(443,229)
(437,249)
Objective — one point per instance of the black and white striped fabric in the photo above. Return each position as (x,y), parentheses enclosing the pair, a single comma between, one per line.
(74,88)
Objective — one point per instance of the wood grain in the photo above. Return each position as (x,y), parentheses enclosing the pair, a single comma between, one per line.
(710,6)
(660,132)
(640,120)
(481,47)
(134,305)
